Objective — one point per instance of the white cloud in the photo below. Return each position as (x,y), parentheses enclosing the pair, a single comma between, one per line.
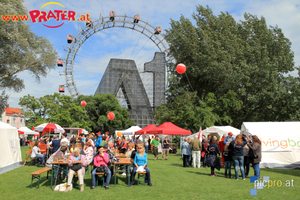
(96,52)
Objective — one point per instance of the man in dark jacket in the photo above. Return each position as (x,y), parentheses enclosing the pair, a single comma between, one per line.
(196,147)
(55,143)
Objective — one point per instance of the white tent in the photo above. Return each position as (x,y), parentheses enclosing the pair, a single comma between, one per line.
(129,131)
(280,142)
(27,131)
(10,152)
(220,130)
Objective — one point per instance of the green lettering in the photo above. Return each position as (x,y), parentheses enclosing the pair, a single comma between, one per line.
(291,141)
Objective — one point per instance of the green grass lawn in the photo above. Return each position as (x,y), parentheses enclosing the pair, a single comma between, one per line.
(170,181)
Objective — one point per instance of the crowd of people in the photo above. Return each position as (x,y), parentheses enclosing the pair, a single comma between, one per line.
(97,151)
(217,152)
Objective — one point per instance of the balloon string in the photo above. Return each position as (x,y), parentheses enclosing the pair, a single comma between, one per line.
(190,84)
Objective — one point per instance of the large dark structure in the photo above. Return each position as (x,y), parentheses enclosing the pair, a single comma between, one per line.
(123,75)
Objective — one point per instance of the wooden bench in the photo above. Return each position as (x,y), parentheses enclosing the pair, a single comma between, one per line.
(141,174)
(37,175)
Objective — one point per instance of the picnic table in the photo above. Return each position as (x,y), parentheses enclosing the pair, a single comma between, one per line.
(60,162)
(123,161)
(121,155)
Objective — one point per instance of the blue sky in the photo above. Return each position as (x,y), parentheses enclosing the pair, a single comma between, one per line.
(96,52)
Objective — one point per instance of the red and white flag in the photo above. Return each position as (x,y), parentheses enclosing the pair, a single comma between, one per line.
(200,134)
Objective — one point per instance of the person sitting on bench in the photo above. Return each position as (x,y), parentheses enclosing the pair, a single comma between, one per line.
(101,159)
(140,160)
(36,154)
(77,163)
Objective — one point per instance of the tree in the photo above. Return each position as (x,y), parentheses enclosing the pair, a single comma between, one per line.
(244,63)
(56,108)
(3,102)
(21,50)
(68,112)
(99,106)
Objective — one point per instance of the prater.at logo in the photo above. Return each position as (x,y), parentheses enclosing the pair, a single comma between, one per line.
(40,16)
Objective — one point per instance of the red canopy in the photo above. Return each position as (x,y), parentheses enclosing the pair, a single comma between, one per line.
(20,132)
(168,128)
(144,130)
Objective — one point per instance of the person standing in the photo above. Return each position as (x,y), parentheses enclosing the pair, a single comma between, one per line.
(166,148)
(185,152)
(132,139)
(236,146)
(146,144)
(213,160)
(229,138)
(246,158)
(99,141)
(151,145)
(256,146)
(155,144)
(205,151)
(227,161)
(209,139)
(54,145)
(65,139)
(196,147)
(23,141)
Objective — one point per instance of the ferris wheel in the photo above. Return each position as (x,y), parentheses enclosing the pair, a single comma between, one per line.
(104,23)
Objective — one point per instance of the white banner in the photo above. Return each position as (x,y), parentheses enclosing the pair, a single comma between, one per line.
(280,144)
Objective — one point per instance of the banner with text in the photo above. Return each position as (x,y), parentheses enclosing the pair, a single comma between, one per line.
(280,144)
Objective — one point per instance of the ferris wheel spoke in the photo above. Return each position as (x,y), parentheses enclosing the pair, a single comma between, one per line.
(83,39)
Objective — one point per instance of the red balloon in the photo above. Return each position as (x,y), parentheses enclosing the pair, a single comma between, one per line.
(83,103)
(110,115)
(181,68)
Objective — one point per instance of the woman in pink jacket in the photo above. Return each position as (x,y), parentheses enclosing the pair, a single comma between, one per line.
(75,159)
(101,159)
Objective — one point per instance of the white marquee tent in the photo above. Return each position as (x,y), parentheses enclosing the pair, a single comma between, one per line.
(218,129)
(129,131)
(10,152)
(280,142)
(27,131)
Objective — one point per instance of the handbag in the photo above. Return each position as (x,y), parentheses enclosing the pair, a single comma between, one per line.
(101,169)
(252,154)
(76,166)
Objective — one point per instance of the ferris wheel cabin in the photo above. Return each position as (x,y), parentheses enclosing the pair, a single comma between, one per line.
(61,88)
(70,38)
(88,23)
(60,62)
(158,30)
(112,15)
(136,18)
